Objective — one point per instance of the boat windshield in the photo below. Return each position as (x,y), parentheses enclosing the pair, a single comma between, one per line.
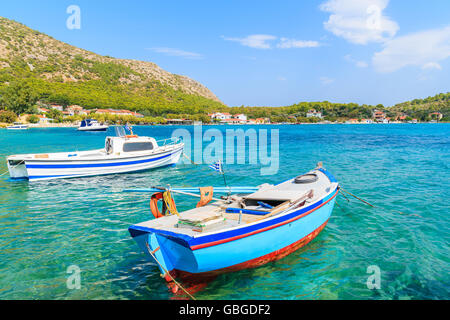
(86,122)
(120,131)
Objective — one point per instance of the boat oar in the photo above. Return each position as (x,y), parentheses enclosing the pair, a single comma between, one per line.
(191,194)
(161,189)
(197,189)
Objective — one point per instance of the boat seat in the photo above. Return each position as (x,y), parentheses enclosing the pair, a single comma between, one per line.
(200,217)
(202,220)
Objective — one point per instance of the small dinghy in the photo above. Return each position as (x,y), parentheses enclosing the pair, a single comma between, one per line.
(244,230)
(92,125)
(123,153)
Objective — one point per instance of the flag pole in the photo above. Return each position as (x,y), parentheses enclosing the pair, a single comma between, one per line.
(224,179)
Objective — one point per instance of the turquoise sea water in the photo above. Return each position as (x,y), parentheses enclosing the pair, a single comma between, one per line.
(403,169)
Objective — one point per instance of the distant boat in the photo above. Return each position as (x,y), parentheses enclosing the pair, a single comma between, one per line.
(238,232)
(123,153)
(92,125)
(18,126)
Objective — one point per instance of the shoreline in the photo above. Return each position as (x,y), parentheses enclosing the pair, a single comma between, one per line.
(65,125)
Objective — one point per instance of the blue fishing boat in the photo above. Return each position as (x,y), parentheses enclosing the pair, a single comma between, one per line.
(243,230)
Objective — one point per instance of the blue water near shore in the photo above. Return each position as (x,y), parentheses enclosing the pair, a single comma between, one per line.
(403,169)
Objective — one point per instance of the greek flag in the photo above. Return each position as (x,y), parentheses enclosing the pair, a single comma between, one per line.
(217,166)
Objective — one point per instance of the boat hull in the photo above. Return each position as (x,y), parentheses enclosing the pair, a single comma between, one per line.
(256,262)
(250,247)
(102,128)
(17,128)
(42,169)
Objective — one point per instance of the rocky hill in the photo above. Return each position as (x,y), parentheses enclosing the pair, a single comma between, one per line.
(27,53)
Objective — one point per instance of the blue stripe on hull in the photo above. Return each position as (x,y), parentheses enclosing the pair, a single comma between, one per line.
(94,174)
(40,177)
(93,165)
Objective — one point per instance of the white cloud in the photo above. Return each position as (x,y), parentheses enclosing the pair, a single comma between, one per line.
(280,78)
(326,80)
(423,49)
(359,21)
(286,43)
(264,41)
(358,63)
(361,64)
(432,65)
(257,41)
(177,53)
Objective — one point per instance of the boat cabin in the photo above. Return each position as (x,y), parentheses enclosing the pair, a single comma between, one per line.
(87,122)
(128,144)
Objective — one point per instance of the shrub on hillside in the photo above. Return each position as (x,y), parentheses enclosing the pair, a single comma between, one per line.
(33,118)
(7,116)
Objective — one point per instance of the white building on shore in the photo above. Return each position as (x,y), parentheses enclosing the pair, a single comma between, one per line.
(313,113)
(240,116)
(220,116)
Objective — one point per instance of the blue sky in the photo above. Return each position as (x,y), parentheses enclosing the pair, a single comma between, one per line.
(268,53)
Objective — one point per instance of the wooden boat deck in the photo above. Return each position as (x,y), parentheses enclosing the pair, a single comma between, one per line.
(282,196)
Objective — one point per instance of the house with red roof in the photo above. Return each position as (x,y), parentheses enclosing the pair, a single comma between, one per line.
(379,116)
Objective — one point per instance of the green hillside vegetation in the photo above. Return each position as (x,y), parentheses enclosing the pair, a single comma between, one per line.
(297,112)
(40,68)
(418,109)
(421,108)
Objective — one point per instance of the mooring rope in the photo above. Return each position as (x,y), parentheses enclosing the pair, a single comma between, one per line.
(21,161)
(342,189)
(167,272)
(351,194)
(184,155)
(348,200)
(170,203)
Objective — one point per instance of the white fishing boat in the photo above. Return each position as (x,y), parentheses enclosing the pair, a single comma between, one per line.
(123,153)
(92,125)
(17,126)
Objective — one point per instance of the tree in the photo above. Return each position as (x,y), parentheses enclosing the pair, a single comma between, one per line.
(7,116)
(33,119)
(55,114)
(19,97)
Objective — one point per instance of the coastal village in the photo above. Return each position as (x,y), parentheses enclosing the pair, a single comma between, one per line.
(58,115)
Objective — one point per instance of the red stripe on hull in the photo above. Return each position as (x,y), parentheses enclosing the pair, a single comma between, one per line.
(213,243)
(196,281)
